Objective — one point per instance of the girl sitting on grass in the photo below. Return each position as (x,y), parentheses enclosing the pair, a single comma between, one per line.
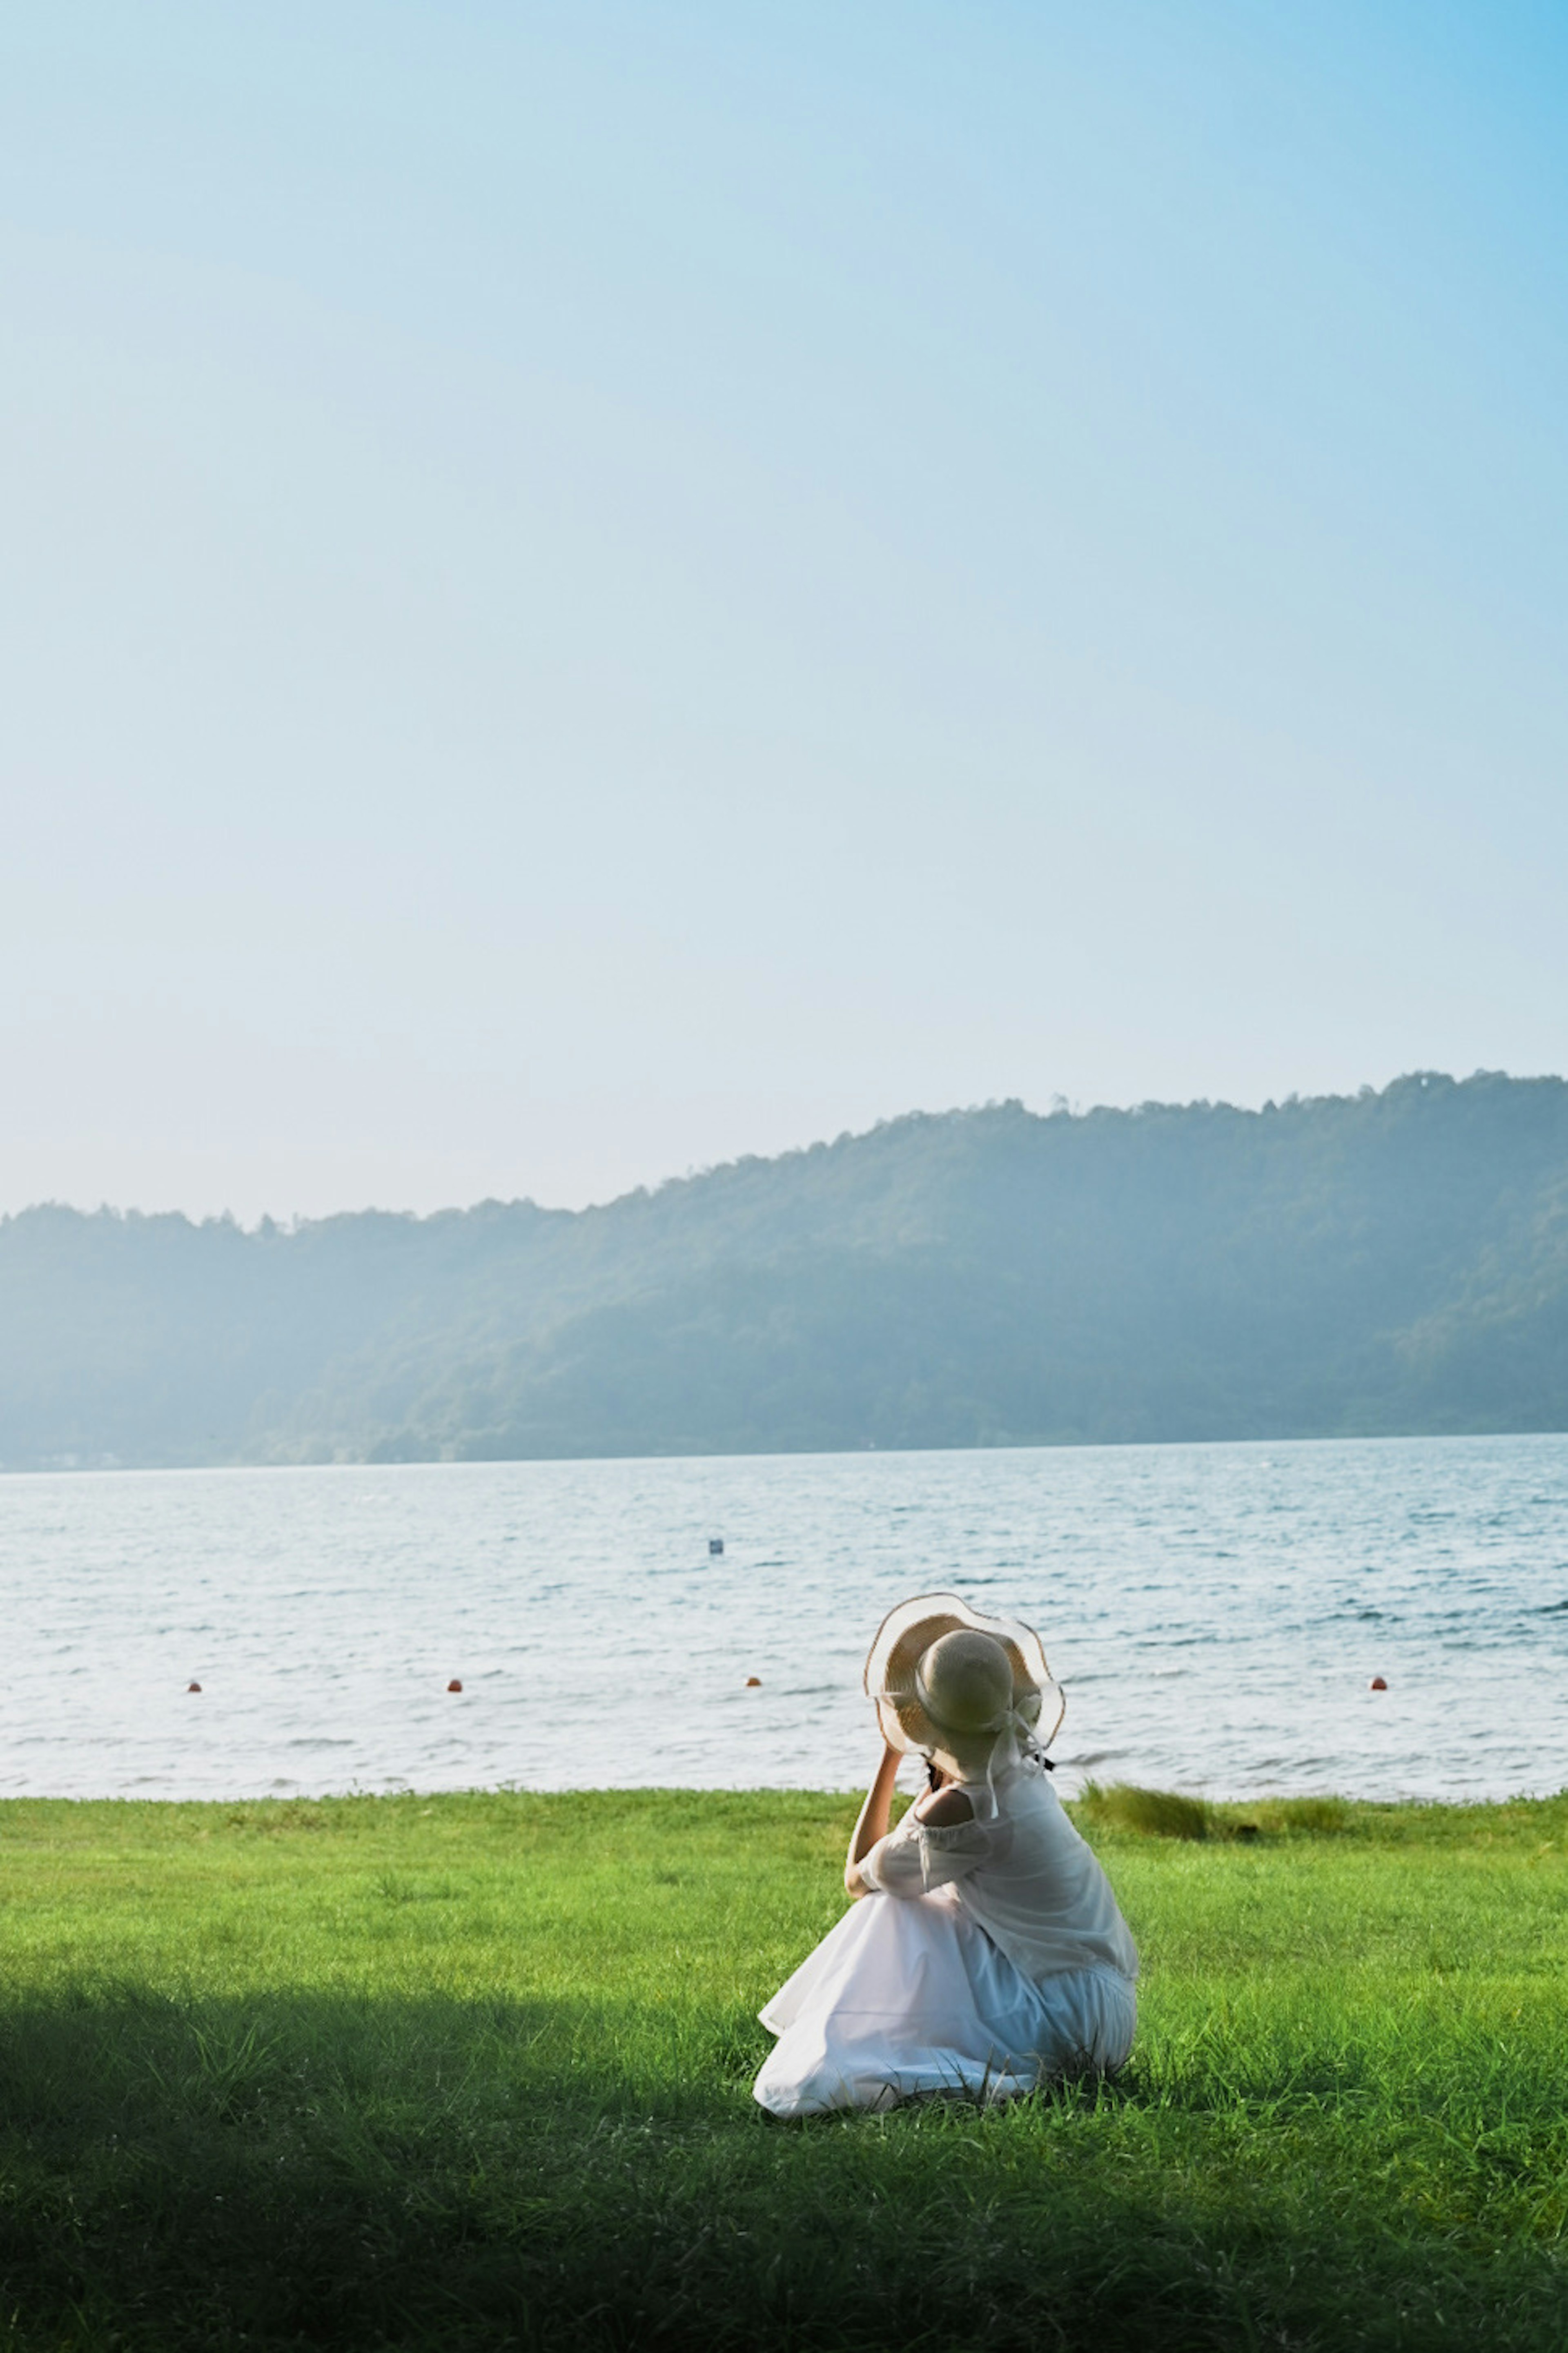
(990,1956)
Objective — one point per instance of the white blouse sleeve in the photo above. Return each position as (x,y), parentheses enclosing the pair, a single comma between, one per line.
(918,1856)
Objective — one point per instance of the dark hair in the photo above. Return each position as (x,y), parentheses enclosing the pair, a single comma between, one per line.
(935,1776)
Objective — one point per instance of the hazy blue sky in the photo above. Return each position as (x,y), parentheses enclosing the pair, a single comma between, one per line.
(585,589)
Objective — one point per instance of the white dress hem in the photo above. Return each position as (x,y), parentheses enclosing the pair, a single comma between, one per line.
(908,1997)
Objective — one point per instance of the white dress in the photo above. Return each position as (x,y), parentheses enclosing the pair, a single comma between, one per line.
(991,1957)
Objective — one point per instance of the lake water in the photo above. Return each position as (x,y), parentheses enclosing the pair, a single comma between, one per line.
(1215,1614)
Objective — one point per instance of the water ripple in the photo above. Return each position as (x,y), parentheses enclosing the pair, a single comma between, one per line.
(1207,1607)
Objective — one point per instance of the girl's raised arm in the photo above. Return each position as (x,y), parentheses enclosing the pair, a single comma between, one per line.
(872,1821)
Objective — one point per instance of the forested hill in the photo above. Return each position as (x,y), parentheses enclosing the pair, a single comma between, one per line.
(1386,1262)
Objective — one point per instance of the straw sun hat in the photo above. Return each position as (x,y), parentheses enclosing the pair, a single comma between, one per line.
(951,1683)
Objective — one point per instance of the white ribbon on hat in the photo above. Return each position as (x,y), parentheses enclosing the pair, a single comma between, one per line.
(1016,1744)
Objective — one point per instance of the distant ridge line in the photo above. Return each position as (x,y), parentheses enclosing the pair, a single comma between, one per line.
(1394,1260)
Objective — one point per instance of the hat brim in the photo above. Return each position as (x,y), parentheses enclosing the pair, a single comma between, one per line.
(901,1640)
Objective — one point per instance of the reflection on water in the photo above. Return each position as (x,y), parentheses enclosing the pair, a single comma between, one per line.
(1215,1613)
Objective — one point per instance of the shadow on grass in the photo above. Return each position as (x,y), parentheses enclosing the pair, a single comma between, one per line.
(322,2169)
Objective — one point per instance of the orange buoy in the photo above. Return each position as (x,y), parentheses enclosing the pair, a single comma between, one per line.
(191,1687)
(454,1684)
(753,1682)
(1377,1684)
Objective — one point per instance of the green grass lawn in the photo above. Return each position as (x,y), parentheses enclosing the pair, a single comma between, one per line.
(475,2071)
